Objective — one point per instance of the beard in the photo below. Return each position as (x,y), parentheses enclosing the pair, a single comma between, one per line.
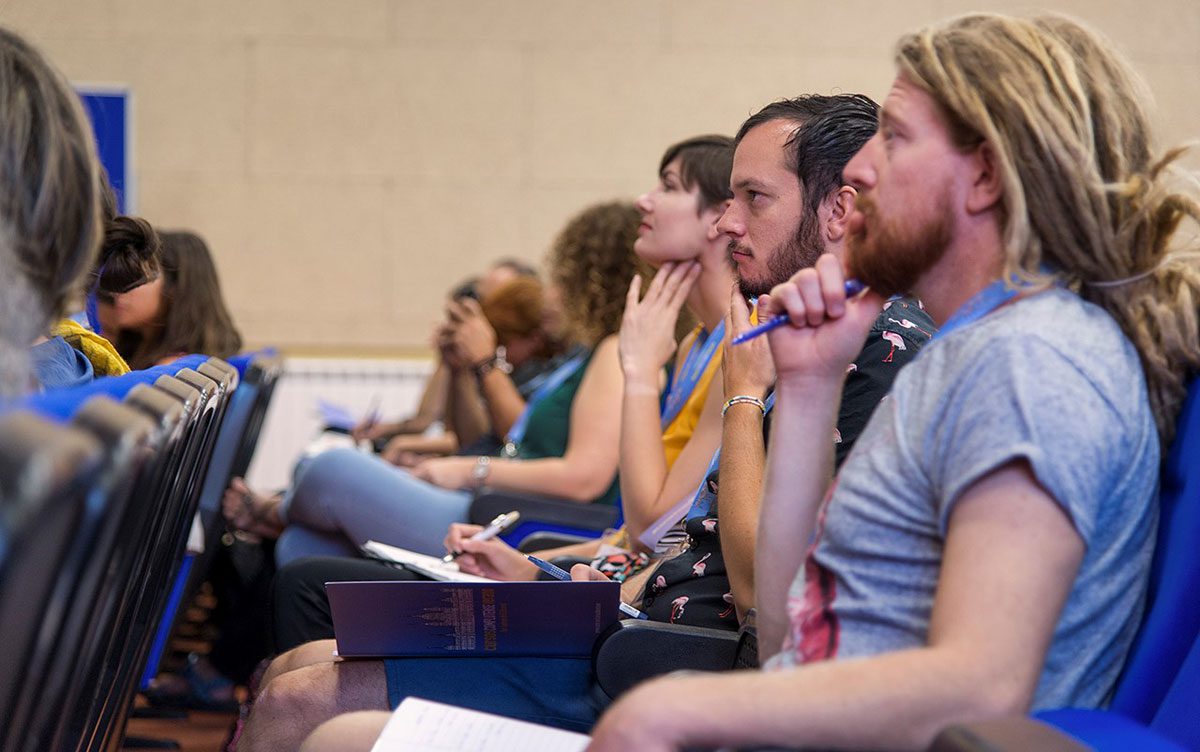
(801,252)
(890,257)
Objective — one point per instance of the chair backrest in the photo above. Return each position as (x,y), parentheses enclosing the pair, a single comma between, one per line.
(95,569)
(219,370)
(107,644)
(46,475)
(96,717)
(207,396)
(1172,622)
(264,372)
(219,443)
(198,405)
(61,404)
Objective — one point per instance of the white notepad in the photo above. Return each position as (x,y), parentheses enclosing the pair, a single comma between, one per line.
(423,726)
(430,566)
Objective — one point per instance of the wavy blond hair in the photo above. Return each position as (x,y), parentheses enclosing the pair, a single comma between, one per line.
(1085,199)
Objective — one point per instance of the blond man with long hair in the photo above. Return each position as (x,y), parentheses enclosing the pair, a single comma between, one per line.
(985,548)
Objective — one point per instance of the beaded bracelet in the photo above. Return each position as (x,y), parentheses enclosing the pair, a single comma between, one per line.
(762,406)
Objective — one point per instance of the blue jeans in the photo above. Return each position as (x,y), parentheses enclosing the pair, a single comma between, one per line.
(549,691)
(343,498)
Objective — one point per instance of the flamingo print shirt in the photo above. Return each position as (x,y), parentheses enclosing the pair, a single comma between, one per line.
(692,587)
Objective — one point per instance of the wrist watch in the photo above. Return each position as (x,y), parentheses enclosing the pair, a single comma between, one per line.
(483,468)
(498,362)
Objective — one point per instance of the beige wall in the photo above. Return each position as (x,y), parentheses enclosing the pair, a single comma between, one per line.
(348,160)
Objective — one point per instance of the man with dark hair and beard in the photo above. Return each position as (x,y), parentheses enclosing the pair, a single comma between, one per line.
(790,207)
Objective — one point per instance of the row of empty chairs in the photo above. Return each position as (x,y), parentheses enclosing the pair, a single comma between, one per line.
(99,487)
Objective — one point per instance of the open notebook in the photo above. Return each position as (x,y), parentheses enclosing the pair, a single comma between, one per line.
(430,566)
(423,726)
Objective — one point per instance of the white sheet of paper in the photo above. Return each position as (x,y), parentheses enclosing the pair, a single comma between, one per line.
(423,726)
(430,566)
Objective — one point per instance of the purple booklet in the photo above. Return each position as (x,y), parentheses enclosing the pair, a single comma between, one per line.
(397,619)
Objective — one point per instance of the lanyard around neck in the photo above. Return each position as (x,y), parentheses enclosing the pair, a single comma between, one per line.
(699,355)
(981,304)
(553,382)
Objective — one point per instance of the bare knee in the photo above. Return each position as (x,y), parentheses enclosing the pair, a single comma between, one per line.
(286,702)
(296,702)
(308,654)
(350,732)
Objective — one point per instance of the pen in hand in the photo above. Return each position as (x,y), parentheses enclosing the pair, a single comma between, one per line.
(559,573)
(853,287)
(494,528)
(373,414)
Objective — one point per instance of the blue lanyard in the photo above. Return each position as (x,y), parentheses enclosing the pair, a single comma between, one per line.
(702,504)
(553,382)
(531,386)
(981,304)
(694,365)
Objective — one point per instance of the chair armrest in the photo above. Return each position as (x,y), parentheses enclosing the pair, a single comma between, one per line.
(539,512)
(1016,733)
(1105,729)
(633,650)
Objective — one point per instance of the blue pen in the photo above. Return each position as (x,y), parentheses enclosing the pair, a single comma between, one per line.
(559,573)
(853,287)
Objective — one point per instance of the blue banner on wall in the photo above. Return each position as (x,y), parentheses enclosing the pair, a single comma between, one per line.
(108,108)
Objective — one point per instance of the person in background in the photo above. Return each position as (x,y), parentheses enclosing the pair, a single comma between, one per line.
(566,445)
(505,332)
(160,300)
(431,406)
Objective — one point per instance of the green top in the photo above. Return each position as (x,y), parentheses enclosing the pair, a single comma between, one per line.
(549,426)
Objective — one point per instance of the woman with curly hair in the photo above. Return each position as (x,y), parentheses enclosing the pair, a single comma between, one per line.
(565,444)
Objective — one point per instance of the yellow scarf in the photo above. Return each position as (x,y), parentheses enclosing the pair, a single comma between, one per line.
(105,359)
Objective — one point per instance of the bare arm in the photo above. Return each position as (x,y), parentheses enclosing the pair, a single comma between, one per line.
(503,402)
(811,356)
(798,468)
(432,407)
(465,411)
(407,444)
(659,489)
(1011,556)
(475,342)
(647,339)
(433,402)
(746,370)
(587,467)
(741,481)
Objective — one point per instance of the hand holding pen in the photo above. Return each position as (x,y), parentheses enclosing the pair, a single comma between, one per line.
(559,573)
(826,328)
(370,421)
(498,525)
(852,287)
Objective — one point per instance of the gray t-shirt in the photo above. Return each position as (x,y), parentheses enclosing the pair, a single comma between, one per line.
(1049,379)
